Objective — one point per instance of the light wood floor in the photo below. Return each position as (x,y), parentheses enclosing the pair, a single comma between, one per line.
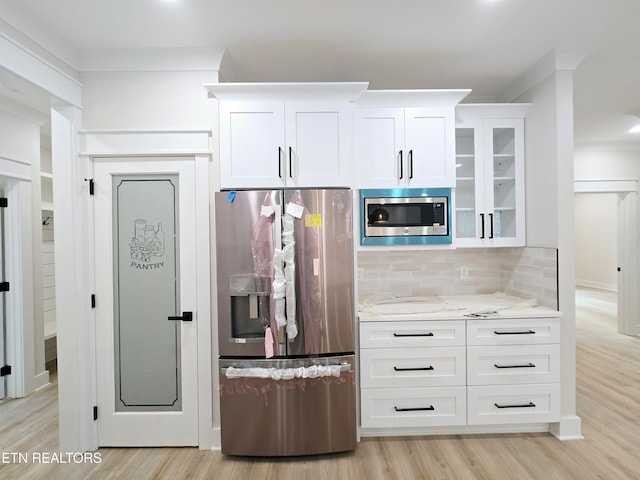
(608,400)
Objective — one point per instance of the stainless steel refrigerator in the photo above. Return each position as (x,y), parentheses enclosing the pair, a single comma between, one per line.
(286,321)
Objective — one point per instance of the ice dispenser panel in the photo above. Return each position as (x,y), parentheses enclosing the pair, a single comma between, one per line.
(249,296)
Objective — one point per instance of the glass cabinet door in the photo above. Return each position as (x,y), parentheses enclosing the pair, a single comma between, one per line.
(503,146)
(466,208)
(489,197)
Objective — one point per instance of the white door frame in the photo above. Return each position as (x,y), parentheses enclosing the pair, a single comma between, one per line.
(16,177)
(77,428)
(628,244)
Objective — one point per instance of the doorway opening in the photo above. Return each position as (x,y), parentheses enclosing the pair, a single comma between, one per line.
(606,244)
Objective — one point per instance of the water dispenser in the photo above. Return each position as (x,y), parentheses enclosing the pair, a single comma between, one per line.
(249,307)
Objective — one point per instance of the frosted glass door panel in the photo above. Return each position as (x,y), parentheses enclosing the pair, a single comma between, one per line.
(146,293)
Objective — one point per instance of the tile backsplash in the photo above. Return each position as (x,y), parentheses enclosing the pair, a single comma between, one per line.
(524,272)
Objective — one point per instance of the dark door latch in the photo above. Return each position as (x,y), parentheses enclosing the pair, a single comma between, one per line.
(186,317)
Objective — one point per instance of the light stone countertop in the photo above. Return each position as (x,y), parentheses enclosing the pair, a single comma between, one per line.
(455,307)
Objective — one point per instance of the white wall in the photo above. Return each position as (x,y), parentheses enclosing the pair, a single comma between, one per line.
(603,164)
(148,100)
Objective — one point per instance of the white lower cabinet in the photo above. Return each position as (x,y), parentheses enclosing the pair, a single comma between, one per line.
(413,407)
(459,372)
(526,403)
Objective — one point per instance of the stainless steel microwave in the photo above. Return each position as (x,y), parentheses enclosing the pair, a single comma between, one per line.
(410,216)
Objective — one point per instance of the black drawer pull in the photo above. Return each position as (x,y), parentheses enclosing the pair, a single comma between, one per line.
(413,334)
(412,369)
(528,332)
(528,405)
(414,409)
(528,365)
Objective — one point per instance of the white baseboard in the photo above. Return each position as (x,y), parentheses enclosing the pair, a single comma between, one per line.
(612,287)
(569,428)
(41,380)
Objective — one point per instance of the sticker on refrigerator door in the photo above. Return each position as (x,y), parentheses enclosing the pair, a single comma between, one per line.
(313,220)
(295,210)
(316,267)
(266,211)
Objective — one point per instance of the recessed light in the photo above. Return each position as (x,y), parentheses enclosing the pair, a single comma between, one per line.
(635,129)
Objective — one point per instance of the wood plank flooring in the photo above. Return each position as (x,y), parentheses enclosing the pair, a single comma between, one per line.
(608,400)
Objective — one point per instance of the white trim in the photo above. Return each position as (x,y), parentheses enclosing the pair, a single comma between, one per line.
(30,66)
(612,287)
(150,59)
(41,380)
(207,437)
(348,91)
(455,430)
(605,186)
(602,147)
(412,98)
(16,169)
(108,143)
(494,111)
(569,428)
(14,336)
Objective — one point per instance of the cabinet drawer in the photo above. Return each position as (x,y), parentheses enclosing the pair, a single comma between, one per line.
(496,365)
(413,407)
(445,333)
(494,404)
(412,367)
(525,331)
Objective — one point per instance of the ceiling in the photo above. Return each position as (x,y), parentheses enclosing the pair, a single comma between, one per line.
(479,44)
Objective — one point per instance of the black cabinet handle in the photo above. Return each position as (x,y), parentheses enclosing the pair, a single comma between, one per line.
(429,334)
(528,405)
(482,224)
(528,332)
(491,224)
(401,172)
(415,409)
(528,365)
(413,369)
(279,162)
(185,317)
(290,162)
(410,158)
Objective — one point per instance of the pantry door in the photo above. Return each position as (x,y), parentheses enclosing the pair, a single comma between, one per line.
(145,267)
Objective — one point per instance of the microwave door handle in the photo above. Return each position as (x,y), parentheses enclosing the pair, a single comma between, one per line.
(401,172)
(482,225)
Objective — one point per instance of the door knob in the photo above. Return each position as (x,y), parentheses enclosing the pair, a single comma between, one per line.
(186,317)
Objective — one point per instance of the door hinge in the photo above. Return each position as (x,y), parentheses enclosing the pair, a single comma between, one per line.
(4,203)
(93,300)
(6,370)
(4,286)
(91,185)
(95,413)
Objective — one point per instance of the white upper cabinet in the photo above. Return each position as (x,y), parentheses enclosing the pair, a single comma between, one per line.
(489,195)
(406,138)
(286,135)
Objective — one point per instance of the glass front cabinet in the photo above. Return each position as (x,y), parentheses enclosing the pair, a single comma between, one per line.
(489,194)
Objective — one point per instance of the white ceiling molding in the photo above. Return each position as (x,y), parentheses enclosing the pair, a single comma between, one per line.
(151,59)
